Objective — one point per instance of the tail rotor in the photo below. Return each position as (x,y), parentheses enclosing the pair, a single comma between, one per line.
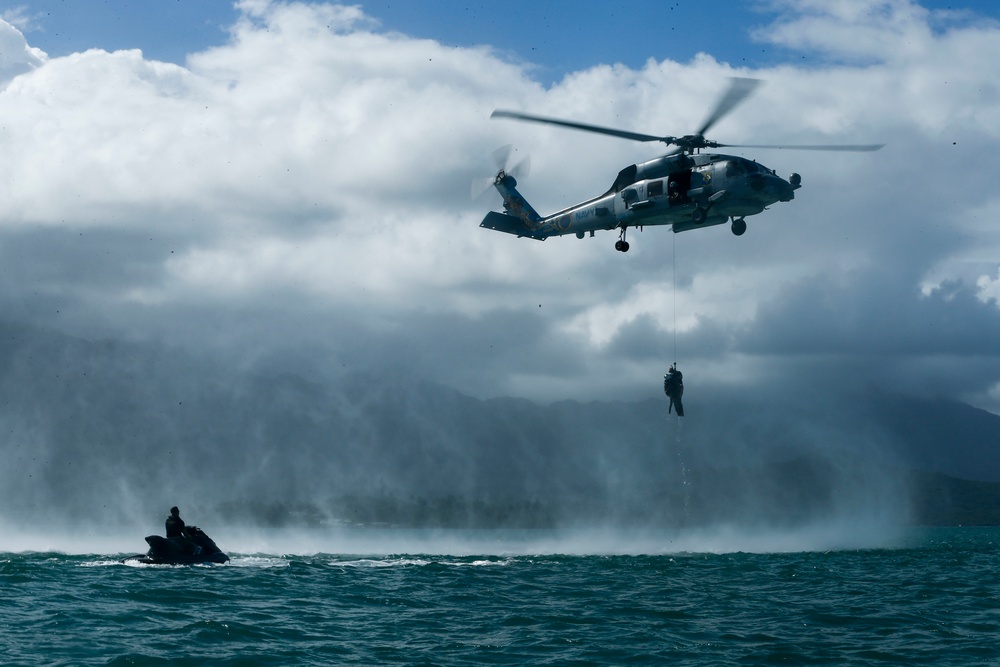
(507,164)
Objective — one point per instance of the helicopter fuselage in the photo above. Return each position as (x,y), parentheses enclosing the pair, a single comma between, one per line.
(684,191)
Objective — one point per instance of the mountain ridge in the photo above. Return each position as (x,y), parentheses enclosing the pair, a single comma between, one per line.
(124,429)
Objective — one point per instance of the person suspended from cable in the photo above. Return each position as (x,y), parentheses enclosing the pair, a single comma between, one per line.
(673,387)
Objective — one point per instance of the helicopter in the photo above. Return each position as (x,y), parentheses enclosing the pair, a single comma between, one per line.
(685,188)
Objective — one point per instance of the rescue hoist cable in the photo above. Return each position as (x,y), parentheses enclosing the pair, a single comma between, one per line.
(674,285)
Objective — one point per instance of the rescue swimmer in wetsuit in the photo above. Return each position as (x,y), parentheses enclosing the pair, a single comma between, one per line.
(673,387)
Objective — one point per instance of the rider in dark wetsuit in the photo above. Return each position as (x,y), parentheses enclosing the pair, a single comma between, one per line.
(174,523)
(673,387)
(176,533)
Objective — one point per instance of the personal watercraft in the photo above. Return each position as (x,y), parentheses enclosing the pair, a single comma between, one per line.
(194,547)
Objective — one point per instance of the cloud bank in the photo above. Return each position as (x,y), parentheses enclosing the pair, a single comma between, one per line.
(297,198)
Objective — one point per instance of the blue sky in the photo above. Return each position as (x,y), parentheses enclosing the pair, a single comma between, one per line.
(284,176)
(556,38)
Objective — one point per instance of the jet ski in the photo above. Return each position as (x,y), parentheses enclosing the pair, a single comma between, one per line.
(194,547)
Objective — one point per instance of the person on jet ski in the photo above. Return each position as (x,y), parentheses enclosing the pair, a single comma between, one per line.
(175,524)
(177,533)
(673,387)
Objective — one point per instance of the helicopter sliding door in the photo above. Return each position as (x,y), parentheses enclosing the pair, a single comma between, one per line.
(678,184)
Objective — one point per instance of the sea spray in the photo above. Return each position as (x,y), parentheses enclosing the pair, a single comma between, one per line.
(678,449)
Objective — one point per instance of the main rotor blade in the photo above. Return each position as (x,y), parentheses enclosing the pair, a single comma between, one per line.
(739,89)
(859,148)
(634,136)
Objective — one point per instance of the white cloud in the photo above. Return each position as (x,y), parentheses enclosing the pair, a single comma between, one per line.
(316,170)
(19,18)
(858,30)
(989,288)
(16,57)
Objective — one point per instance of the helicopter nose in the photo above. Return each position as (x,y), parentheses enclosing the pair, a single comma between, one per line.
(787,191)
(784,190)
(771,187)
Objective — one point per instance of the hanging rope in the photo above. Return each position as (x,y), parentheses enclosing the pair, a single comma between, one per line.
(674,284)
(673,385)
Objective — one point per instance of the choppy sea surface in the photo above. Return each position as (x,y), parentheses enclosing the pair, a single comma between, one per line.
(931,598)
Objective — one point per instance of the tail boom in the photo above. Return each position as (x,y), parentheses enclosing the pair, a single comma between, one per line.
(521,219)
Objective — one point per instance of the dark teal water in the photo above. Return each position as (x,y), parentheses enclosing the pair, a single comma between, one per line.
(934,601)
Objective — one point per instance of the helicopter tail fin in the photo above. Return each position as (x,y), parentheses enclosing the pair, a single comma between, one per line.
(519,217)
(513,203)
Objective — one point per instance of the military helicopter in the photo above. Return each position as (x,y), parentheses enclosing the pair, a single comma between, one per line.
(685,188)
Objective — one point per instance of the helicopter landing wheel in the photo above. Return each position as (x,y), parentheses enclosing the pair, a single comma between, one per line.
(621,245)
(739,226)
(698,215)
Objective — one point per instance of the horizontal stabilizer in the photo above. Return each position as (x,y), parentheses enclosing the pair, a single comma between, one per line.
(509,224)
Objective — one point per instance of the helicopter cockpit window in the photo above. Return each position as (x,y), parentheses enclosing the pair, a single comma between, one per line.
(654,189)
(734,169)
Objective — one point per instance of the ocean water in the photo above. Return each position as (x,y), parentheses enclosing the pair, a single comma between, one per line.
(931,597)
